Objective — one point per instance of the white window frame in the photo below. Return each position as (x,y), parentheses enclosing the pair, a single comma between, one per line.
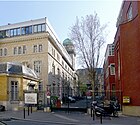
(112,69)
(37,66)
(14,91)
(15,50)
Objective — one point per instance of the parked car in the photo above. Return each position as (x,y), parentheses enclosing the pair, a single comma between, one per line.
(71,99)
(68,99)
(78,97)
(2,108)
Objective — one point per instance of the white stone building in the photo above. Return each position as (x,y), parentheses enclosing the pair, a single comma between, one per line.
(35,44)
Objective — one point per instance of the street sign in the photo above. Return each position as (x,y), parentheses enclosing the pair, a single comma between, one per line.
(48,93)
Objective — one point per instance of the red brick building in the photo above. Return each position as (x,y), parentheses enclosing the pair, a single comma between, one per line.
(127,56)
(109,72)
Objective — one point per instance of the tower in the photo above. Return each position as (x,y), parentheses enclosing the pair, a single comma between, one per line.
(69,46)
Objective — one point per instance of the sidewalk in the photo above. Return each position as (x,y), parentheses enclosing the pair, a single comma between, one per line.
(72,118)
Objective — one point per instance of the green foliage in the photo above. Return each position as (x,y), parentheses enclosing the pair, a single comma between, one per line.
(83,88)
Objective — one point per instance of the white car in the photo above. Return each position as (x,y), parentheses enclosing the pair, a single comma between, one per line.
(71,99)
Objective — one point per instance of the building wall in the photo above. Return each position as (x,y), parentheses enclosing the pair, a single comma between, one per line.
(3,86)
(53,54)
(5,93)
(127,57)
(129,46)
(29,57)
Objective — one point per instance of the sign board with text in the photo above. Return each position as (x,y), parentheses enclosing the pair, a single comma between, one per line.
(126,99)
(30,98)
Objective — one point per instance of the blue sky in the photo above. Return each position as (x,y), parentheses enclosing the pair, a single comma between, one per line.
(62,14)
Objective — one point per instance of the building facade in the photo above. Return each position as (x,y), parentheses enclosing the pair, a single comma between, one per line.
(35,44)
(127,56)
(15,81)
(109,72)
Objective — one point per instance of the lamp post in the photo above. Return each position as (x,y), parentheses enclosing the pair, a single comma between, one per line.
(68,88)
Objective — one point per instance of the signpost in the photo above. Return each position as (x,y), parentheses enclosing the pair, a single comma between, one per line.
(30,99)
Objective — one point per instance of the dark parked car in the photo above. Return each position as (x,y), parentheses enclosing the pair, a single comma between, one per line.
(2,108)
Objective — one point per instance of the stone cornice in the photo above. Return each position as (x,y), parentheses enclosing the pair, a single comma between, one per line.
(25,37)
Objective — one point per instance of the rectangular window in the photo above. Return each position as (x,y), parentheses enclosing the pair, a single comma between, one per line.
(35,48)
(113,86)
(7,33)
(65,66)
(58,57)
(15,32)
(23,30)
(5,51)
(112,49)
(2,34)
(30,29)
(24,49)
(15,50)
(112,69)
(52,51)
(19,50)
(0,52)
(37,66)
(43,27)
(39,28)
(58,73)
(26,30)
(53,69)
(14,90)
(62,63)
(35,29)
(11,32)
(40,48)
(18,31)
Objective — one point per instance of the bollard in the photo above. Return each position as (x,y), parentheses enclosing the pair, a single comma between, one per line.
(101,120)
(28,110)
(91,111)
(31,109)
(24,112)
(93,114)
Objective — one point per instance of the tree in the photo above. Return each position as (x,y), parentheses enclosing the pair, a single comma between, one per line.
(82,88)
(88,37)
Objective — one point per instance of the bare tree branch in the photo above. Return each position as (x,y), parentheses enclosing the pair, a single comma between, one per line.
(88,37)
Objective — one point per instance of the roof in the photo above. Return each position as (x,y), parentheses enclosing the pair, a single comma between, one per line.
(67,42)
(17,69)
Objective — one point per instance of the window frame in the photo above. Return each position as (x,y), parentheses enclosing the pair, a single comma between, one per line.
(37,66)
(35,48)
(14,90)
(112,69)
(40,48)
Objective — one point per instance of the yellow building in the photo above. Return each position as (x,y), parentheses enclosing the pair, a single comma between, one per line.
(35,44)
(15,80)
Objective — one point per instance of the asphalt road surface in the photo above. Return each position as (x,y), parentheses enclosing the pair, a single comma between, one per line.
(20,122)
